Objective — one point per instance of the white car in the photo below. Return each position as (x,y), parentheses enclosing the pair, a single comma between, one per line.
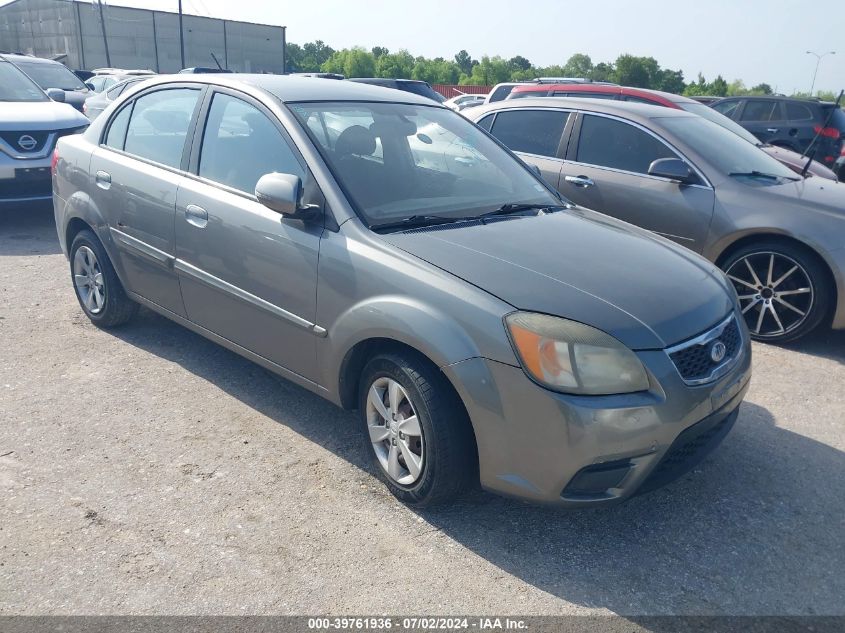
(464,101)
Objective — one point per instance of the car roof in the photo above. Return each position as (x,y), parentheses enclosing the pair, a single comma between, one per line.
(624,109)
(296,89)
(605,88)
(14,57)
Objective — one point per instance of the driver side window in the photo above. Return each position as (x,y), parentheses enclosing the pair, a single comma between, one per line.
(241,144)
(618,145)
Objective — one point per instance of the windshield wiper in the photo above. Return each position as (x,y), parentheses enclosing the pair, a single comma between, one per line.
(759,174)
(415,221)
(511,208)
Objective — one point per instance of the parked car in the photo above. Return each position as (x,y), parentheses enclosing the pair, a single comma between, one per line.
(52,75)
(777,236)
(457,304)
(794,160)
(95,105)
(462,102)
(30,123)
(422,88)
(105,78)
(502,91)
(790,123)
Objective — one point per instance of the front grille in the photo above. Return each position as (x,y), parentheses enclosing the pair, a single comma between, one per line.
(695,359)
(13,139)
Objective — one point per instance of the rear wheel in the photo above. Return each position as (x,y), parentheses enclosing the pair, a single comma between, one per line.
(416,430)
(97,286)
(783,290)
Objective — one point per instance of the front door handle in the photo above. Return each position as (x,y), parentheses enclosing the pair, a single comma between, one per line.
(196,216)
(103,179)
(773,130)
(580,181)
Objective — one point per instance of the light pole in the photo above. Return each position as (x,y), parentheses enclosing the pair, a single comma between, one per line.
(818,61)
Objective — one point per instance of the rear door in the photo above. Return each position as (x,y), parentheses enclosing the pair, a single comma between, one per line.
(607,170)
(538,136)
(765,119)
(134,178)
(247,274)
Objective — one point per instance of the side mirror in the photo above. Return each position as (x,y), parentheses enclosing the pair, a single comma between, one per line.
(56,94)
(671,168)
(283,193)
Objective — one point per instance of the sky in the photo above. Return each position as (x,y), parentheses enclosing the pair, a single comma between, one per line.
(753,40)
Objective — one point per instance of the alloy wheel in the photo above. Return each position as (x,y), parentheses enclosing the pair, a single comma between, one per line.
(395,431)
(775,293)
(88,279)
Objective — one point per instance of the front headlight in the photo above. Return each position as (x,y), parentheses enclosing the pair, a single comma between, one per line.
(574,358)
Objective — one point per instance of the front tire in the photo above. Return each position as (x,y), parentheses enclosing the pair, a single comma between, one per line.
(97,286)
(416,430)
(784,290)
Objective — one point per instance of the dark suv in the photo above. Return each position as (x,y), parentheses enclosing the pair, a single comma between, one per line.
(790,123)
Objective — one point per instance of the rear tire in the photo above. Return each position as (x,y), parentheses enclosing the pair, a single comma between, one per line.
(416,430)
(785,291)
(97,286)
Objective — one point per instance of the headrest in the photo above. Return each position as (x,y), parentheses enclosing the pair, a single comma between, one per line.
(356,140)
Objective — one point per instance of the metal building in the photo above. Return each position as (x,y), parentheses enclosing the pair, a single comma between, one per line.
(136,38)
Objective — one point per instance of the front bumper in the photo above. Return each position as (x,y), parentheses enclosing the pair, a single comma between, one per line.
(537,445)
(24,181)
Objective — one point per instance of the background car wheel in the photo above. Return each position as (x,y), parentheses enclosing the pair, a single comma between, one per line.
(416,430)
(783,289)
(97,287)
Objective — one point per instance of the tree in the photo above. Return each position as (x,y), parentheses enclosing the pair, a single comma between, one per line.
(352,62)
(489,71)
(314,55)
(293,58)
(519,63)
(603,72)
(762,89)
(719,87)
(465,62)
(578,65)
(640,72)
(378,51)
(398,65)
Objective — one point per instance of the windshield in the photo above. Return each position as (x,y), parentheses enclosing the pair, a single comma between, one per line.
(723,149)
(48,75)
(398,161)
(710,114)
(15,86)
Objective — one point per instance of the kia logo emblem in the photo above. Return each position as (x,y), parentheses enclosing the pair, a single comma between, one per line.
(718,352)
(27,143)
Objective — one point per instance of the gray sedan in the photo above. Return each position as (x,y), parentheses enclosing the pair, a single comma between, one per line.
(381,251)
(779,237)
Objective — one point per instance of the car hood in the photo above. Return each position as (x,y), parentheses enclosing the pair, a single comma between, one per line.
(646,291)
(812,194)
(29,116)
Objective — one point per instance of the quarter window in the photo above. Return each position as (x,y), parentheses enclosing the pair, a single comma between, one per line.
(241,144)
(798,112)
(728,108)
(117,131)
(611,143)
(159,125)
(486,122)
(531,131)
(761,111)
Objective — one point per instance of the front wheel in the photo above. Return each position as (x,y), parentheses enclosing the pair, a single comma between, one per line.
(783,290)
(416,430)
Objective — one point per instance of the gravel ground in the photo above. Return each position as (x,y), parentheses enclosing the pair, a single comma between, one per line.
(149,471)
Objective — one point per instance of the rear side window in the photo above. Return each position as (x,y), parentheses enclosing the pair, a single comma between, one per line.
(528,94)
(240,144)
(634,99)
(531,131)
(117,131)
(159,125)
(728,108)
(610,143)
(586,95)
(501,93)
(761,111)
(798,112)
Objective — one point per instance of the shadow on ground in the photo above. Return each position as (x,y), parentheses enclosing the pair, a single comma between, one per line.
(28,230)
(755,529)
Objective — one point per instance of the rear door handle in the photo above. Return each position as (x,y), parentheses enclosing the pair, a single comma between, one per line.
(773,130)
(103,179)
(196,216)
(580,181)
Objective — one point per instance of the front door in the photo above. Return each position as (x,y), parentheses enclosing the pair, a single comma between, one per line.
(247,274)
(607,170)
(136,176)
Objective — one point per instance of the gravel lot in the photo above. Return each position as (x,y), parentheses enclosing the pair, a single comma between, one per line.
(149,471)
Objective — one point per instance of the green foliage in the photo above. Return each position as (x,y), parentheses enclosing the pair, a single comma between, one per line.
(627,70)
